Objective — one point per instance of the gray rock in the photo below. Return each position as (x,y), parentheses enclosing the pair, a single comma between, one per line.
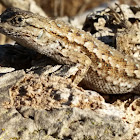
(64,124)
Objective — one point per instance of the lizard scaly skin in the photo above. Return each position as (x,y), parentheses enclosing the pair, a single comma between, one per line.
(99,67)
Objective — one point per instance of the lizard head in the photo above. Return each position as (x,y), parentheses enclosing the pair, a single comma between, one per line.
(14,20)
(14,17)
(20,25)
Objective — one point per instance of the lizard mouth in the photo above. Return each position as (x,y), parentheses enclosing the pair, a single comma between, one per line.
(5,31)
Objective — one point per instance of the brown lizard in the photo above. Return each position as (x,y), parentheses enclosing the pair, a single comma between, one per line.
(100,67)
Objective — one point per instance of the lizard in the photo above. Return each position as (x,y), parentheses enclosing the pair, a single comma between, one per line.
(98,66)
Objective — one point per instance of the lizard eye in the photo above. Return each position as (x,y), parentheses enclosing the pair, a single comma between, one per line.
(17,21)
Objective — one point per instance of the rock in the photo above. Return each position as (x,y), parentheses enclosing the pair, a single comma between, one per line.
(40,108)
